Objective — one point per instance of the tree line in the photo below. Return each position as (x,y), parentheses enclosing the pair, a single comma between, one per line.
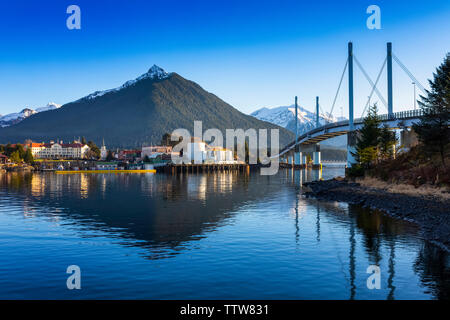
(17,153)
(375,143)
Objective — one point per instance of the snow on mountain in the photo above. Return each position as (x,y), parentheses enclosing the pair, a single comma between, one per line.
(14,118)
(49,106)
(154,72)
(285,117)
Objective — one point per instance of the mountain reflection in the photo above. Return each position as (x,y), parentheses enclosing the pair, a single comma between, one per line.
(185,208)
(165,214)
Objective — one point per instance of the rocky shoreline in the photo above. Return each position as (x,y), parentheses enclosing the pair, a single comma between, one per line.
(431,214)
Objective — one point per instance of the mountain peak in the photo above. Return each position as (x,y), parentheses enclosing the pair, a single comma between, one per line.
(157,72)
(154,73)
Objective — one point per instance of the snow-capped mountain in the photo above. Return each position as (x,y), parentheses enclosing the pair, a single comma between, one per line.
(285,117)
(48,107)
(154,73)
(16,117)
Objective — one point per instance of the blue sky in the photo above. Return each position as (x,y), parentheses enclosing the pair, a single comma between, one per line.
(251,54)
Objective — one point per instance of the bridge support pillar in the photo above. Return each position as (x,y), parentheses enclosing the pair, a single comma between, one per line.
(351,135)
(305,160)
(317,163)
(297,158)
(351,148)
(316,158)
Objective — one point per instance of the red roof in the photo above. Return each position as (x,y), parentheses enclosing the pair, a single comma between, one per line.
(72,145)
(36,145)
(3,156)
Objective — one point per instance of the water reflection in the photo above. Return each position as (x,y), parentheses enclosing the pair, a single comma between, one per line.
(164,215)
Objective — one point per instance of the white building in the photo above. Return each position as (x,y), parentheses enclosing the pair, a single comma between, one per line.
(196,151)
(199,152)
(58,150)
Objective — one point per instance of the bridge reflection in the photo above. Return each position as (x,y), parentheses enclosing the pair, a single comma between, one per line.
(164,215)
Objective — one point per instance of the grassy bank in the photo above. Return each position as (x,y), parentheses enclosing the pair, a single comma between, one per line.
(412,168)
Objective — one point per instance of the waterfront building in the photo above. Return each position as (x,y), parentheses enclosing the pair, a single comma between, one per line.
(219,155)
(196,151)
(54,150)
(200,152)
(3,159)
(154,151)
(129,155)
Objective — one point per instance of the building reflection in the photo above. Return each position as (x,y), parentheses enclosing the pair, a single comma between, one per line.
(164,213)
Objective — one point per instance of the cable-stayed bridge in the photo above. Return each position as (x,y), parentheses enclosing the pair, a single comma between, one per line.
(308,142)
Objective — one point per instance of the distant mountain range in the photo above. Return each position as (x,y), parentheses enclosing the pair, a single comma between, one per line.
(136,113)
(285,117)
(14,118)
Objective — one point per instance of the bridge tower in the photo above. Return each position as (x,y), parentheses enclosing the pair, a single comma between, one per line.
(317,112)
(316,153)
(389,80)
(351,135)
(297,153)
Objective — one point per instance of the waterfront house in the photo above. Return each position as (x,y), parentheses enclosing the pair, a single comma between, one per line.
(3,159)
(129,155)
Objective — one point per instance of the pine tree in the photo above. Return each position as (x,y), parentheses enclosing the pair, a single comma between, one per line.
(28,157)
(433,129)
(15,157)
(387,141)
(95,150)
(109,156)
(368,138)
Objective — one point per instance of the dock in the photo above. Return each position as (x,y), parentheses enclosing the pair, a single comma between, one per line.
(105,171)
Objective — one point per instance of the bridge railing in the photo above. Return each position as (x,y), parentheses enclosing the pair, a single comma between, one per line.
(384,117)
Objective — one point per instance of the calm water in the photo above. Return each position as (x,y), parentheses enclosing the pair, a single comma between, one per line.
(216,236)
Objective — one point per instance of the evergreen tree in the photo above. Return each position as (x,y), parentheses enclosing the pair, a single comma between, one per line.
(433,129)
(95,151)
(28,157)
(387,141)
(368,139)
(109,156)
(83,140)
(8,150)
(15,157)
(21,150)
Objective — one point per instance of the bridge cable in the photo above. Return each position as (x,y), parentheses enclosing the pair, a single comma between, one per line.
(373,88)
(411,76)
(339,87)
(371,82)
